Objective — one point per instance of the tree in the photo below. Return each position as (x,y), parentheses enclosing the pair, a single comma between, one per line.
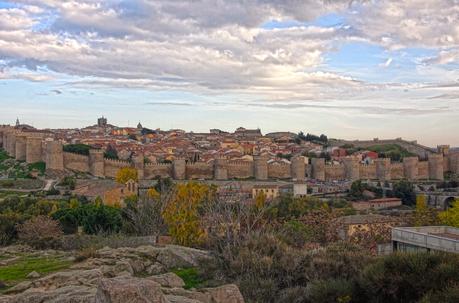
(260,199)
(423,214)
(405,191)
(125,174)
(450,216)
(40,231)
(111,152)
(182,213)
(81,149)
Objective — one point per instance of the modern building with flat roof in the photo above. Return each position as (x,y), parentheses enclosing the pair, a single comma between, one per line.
(426,238)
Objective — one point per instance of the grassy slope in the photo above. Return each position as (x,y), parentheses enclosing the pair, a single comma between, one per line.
(19,270)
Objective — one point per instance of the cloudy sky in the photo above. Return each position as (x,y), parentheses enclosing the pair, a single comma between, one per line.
(349,69)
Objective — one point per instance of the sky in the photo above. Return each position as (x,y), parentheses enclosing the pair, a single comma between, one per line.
(356,69)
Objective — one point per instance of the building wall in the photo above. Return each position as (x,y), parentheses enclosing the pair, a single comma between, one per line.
(76,162)
(396,171)
(240,169)
(199,170)
(423,170)
(33,150)
(279,171)
(158,169)
(334,172)
(112,166)
(368,171)
(20,148)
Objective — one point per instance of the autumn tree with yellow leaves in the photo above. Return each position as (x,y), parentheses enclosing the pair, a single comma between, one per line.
(423,214)
(182,212)
(450,216)
(125,174)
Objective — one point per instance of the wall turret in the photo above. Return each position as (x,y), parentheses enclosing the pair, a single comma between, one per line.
(20,149)
(260,167)
(96,162)
(383,169)
(179,169)
(33,149)
(318,168)
(436,167)
(410,167)
(453,159)
(139,165)
(11,144)
(220,169)
(54,155)
(298,168)
(351,168)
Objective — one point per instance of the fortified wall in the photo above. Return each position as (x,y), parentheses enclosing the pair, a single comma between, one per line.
(35,146)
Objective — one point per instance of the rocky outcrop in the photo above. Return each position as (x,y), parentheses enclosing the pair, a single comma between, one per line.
(113,276)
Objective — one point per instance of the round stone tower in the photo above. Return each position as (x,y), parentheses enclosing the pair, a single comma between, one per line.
(179,169)
(33,149)
(318,168)
(454,162)
(298,168)
(54,155)
(11,141)
(351,168)
(220,169)
(260,167)
(96,162)
(20,147)
(383,169)
(139,165)
(436,167)
(410,167)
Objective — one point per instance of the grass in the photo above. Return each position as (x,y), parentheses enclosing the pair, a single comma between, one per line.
(19,270)
(190,276)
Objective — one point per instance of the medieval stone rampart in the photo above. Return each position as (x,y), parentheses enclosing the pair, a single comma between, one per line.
(334,172)
(199,170)
(240,169)
(76,162)
(33,147)
(153,170)
(279,170)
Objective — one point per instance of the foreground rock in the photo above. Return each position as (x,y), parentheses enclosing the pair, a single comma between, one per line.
(112,277)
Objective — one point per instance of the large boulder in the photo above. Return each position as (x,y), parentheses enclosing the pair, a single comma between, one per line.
(128,289)
(66,294)
(169,280)
(225,294)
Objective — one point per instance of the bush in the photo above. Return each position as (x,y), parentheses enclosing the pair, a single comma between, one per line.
(40,232)
(94,219)
(408,277)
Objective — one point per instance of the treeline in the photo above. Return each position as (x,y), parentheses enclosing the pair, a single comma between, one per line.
(322,139)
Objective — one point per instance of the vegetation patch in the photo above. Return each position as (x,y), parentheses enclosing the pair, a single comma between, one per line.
(393,151)
(19,270)
(190,276)
(81,149)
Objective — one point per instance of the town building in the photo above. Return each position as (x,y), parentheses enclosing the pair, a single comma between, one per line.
(377,204)
(426,238)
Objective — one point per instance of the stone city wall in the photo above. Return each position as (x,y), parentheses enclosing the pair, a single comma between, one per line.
(368,171)
(34,147)
(334,172)
(279,170)
(240,170)
(199,170)
(76,162)
(111,167)
(153,170)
